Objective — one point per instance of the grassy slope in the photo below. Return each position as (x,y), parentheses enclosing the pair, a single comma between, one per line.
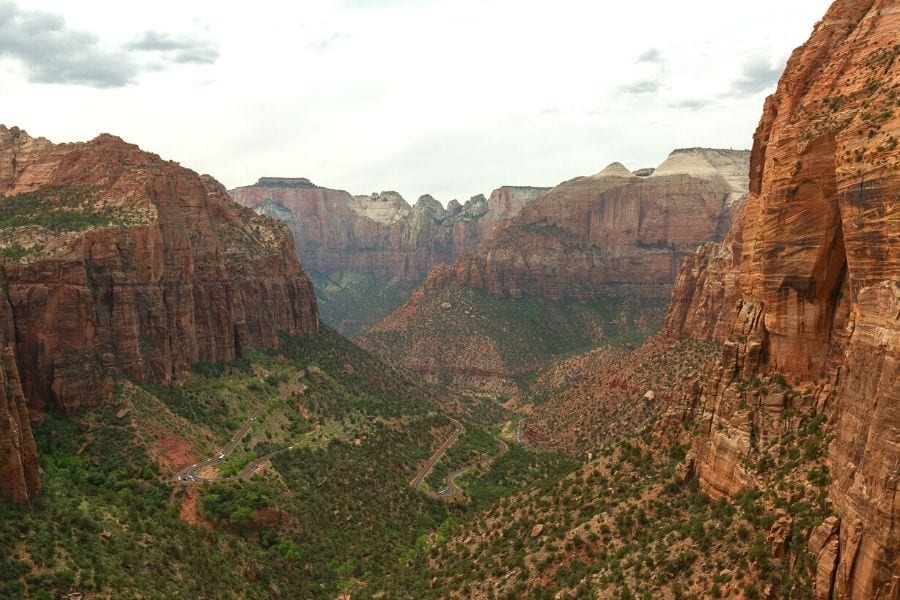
(351,301)
(333,513)
(528,333)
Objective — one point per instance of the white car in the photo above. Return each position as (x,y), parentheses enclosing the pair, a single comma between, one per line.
(220,455)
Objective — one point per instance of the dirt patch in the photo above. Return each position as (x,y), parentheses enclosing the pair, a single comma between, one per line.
(304,412)
(210,472)
(270,517)
(190,512)
(173,451)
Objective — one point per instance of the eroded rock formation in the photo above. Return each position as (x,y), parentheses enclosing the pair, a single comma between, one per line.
(367,253)
(609,234)
(601,251)
(808,288)
(114,260)
(380,234)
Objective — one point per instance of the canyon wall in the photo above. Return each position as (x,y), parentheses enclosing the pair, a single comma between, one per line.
(115,261)
(367,253)
(807,289)
(379,234)
(610,234)
(590,262)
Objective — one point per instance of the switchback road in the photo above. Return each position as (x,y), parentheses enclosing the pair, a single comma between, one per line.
(191,474)
(426,468)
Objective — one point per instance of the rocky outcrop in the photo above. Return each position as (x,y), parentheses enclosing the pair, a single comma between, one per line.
(808,289)
(118,261)
(366,253)
(380,234)
(608,234)
(601,251)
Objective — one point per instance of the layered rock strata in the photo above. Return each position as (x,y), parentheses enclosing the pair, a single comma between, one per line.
(115,261)
(807,289)
(380,234)
(601,251)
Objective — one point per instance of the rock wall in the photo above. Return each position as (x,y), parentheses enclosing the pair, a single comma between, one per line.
(143,268)
(596,256)
(380,234)
(19,473)
(808,288)
(599,236)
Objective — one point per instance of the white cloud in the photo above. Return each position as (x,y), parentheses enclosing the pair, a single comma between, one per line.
(445,97)
(50,51)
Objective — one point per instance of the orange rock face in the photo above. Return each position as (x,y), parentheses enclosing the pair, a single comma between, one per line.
(611,238)
(380,235)
(809,285)
(147,269)
(599,236)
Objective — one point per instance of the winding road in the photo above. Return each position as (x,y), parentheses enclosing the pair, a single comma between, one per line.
(416,481)
(451,489)
(191,474)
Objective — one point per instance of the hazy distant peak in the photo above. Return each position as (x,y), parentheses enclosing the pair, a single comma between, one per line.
(427,204)
(614,169)
(384,207)
(732,166)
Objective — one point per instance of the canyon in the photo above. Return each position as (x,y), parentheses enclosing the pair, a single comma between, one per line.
(671,382)
(595,256)
(366,254)
(116,262)
(804,297)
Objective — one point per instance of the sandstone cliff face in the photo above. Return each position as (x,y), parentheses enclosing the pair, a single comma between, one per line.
(599,236)
(601,251)
(118,261)
(380,234)
(19,474)
(367,253)
(808,286)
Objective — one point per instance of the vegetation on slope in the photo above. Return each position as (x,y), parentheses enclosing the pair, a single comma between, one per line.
(30,220)
(633,524)
(350,300)
(459,331)
(332,510)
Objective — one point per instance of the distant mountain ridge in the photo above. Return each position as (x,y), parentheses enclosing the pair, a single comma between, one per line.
(367,253)
(614,240)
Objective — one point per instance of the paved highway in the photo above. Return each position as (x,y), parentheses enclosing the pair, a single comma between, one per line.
(450,488)
(191,474)
(426,468)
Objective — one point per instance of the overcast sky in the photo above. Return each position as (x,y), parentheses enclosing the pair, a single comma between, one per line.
(451,98)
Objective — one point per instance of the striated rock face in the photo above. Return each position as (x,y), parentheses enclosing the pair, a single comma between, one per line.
(19,475)
(366,253)
(599,236)
(119,261)
(608,234)
(600,251)
(380,234)
(808,286)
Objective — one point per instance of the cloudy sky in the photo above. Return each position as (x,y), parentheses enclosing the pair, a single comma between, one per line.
(451,98)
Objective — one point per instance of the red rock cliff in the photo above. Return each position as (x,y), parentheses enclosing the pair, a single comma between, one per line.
(808,286)
(600,236)
(380,234)
(118,261)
